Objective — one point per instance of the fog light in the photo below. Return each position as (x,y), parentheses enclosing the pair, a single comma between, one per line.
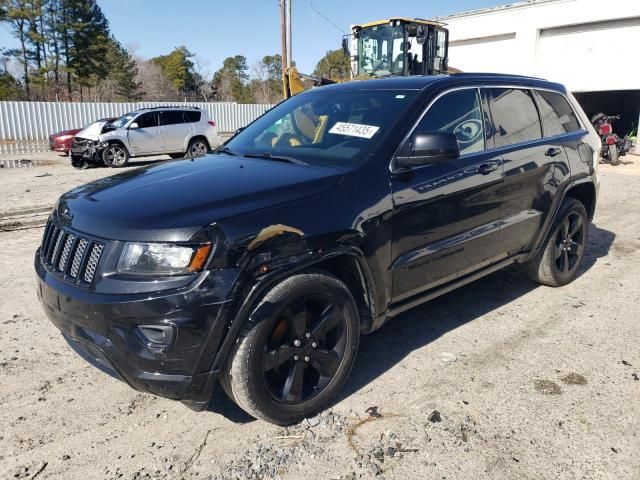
(157,335)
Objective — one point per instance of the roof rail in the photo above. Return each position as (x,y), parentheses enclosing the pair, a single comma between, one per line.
(170,106)
(489,74)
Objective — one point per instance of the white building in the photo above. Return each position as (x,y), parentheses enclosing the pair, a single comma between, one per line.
(591,46)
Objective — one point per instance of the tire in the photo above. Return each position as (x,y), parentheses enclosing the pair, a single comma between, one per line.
(614,157)
(197,148)
(307,367)
(80,164)
(557,265)
(115,156)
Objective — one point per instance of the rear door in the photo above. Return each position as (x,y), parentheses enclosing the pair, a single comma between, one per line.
(446,215)
(534,166)
(147,139)
(174,130)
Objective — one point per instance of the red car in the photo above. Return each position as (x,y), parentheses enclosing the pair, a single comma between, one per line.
(61,141)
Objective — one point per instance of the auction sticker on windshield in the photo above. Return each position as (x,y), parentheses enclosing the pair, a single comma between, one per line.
(354,129)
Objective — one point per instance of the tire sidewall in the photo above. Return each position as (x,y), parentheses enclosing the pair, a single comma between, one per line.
(614,156)
(264,318)
(572,206)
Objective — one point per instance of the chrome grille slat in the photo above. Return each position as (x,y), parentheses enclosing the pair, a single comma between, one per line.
(77,258)
(54,235)
(68,244)
(72,257)
(57,248)
(92,263)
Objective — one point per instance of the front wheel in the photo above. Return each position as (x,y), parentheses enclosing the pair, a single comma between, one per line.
(296,349)
(197,148)
(115,156)
(560,256)
(614,156)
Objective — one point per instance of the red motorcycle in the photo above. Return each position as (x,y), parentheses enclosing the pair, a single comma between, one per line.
(613,147)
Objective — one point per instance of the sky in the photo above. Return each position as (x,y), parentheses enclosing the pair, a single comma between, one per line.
(216,29)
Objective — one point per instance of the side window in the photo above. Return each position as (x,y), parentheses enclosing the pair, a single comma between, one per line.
(147,120)
(192,116)
(515,117)
(557,115)
(171,117)
(459,113)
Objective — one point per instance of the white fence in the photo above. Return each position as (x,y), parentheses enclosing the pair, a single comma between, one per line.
(35,121)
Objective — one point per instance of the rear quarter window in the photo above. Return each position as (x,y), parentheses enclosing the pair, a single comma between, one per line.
(515,117)
(557,115)
(192,116)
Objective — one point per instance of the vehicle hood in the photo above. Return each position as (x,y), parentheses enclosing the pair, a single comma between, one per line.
(92,132)
(173,200)
(73,131)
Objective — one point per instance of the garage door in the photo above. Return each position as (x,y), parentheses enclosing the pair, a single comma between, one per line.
(470,55)
(591,56)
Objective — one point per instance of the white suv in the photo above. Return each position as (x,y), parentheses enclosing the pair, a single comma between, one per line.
(174,131)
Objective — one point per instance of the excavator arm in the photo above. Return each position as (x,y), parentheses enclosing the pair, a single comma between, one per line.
(294,82)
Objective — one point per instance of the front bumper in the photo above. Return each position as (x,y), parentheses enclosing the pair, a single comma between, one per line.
(104,330)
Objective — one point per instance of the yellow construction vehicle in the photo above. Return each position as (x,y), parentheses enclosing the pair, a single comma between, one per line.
(385,48)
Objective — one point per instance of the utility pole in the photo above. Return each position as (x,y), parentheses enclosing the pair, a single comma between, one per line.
(283,33)
(289,47)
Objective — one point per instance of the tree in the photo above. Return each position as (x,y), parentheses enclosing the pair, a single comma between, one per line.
(121,83)
(10,88)
(266,84)
(17,13)
(178,68)
(89,43)
(335,64)
(230,82)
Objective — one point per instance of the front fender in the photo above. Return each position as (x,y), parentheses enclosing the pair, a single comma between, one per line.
(258,283)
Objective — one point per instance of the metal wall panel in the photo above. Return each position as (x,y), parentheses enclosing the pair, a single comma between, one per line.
(35,121)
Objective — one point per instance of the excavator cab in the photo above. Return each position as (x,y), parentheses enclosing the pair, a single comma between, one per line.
(399,47)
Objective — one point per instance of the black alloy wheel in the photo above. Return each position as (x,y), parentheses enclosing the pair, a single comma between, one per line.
(296,349)
(569,243)
(559,257)
(304,349)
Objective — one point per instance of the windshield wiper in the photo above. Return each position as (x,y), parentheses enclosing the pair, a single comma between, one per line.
(277,158)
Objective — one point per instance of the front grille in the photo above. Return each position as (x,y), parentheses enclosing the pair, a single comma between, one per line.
(70,256)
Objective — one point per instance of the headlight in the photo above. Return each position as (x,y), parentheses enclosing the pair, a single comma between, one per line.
(162,258)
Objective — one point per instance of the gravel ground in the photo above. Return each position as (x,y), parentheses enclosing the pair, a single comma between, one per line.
(501,379)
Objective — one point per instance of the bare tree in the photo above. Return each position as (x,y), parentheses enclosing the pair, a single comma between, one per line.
(155,86)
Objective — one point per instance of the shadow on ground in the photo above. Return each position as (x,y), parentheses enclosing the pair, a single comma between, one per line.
(381,350)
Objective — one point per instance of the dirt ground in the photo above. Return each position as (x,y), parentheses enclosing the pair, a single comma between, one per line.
(501,379)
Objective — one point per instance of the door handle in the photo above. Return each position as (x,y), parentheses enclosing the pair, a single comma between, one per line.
(487,168)
(552,152)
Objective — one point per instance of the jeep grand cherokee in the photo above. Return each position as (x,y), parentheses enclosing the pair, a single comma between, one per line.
(260,265)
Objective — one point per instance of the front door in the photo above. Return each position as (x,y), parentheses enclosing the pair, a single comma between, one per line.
(147,138)
(446,215)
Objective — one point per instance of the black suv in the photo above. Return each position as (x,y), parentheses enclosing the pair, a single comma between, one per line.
(260,265)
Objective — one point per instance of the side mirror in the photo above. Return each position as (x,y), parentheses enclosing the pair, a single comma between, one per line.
(345,47)
(424,148)
(134,126)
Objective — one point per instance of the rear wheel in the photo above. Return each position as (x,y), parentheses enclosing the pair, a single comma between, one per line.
(115,156)
(558,261)
(614,156)
(296,350)
(197,148)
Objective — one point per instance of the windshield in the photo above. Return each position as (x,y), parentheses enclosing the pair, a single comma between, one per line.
(323,127)
(123,120)
(381,50)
